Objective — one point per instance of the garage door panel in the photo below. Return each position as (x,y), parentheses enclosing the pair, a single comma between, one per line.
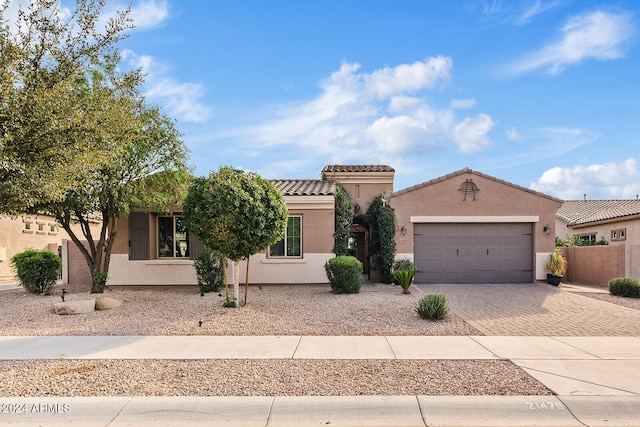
(473,253)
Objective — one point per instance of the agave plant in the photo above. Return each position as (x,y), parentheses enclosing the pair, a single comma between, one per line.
(404,278)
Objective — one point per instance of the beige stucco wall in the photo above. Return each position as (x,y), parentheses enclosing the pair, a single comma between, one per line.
(318,225)
(363,187)
(495,199)
(15,238)
(603,230)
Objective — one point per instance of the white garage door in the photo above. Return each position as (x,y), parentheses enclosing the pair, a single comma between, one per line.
(473,253)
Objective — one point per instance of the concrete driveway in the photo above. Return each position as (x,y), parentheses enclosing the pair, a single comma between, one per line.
(535,309)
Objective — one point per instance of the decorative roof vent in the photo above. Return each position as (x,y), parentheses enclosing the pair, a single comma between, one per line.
(468,189)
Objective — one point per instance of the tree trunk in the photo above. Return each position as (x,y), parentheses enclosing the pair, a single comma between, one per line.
(246,283)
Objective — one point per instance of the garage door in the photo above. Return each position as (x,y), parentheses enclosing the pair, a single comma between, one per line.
(473,253)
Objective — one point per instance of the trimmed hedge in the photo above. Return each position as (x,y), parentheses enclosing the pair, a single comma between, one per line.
(625,287)
(37,270)
(344,274)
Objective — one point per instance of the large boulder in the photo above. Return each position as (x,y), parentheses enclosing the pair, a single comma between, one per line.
(105,303)
(75,307)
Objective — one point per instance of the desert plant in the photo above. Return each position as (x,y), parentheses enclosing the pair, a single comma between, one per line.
(556,264)
(403,264)
(344,274)
(37,270)
(209,271)
(98,282)
(624,287)
(432,307)
(404,278)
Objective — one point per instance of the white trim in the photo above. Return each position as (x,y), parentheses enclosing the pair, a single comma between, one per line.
(471,219)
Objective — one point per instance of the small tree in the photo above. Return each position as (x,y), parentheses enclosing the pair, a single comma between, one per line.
(235,213)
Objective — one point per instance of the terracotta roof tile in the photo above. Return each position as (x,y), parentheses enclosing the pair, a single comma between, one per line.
(305,187)
(357,168)
(579,212)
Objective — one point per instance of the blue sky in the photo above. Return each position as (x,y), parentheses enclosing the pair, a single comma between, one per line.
(541,93)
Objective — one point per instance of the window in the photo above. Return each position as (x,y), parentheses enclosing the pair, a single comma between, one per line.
(27,226)
(173,239)
(619,234)
(587,238)
(291,243)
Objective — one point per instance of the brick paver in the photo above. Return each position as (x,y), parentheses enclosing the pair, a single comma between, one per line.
(536,309)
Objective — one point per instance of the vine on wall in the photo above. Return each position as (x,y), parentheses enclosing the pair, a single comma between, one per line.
(382,245)
(343,219)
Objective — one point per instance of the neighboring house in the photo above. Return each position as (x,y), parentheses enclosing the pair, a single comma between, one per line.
(30,232)
(617,222)
(462,227)
(468,227)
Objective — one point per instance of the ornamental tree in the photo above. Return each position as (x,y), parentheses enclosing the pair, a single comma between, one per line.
(235,213)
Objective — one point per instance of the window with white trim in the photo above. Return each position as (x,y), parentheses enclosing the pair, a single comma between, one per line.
(173,239)
(290,246)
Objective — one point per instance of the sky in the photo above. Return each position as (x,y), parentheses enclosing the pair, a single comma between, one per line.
(541,93)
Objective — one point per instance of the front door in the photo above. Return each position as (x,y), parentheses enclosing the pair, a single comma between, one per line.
(359,246)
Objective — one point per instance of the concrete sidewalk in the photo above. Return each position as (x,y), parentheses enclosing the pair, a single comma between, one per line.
(596,379)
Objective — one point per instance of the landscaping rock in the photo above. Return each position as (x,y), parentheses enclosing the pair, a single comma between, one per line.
(75,307)
(105,303)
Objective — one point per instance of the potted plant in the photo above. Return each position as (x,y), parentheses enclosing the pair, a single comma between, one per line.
(556,267)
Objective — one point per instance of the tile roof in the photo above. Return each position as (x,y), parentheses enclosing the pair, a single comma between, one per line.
(580,212)
(357,168)
(462,172)
(305,187)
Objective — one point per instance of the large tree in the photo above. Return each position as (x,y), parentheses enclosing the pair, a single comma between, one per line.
(235,213)
(47,131)
(141,162)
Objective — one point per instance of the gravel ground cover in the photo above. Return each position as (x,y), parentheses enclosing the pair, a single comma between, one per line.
(626,302)
(272,310)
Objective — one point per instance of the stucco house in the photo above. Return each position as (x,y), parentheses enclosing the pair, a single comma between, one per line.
(27,231)
(468,227)
(615,221)
(462,227)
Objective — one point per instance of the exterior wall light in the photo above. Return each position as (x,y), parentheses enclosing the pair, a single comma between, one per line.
(546,229)
(403,230)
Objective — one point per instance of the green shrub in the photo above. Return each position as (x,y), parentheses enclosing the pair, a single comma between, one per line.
(209,271)
(344,274)
(37,270)
(625,287)
(404,278)
(432,307)
(98,282)
(403,264)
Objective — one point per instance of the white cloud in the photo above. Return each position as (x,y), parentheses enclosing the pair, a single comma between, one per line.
(375,116)
(596,35)
(470,135)
(180,99)
(408,77)
(597,181)
(149,13)
(536,8)
(462,103)
(514,135)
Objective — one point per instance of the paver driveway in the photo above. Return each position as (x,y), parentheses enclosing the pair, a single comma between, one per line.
(535,309)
